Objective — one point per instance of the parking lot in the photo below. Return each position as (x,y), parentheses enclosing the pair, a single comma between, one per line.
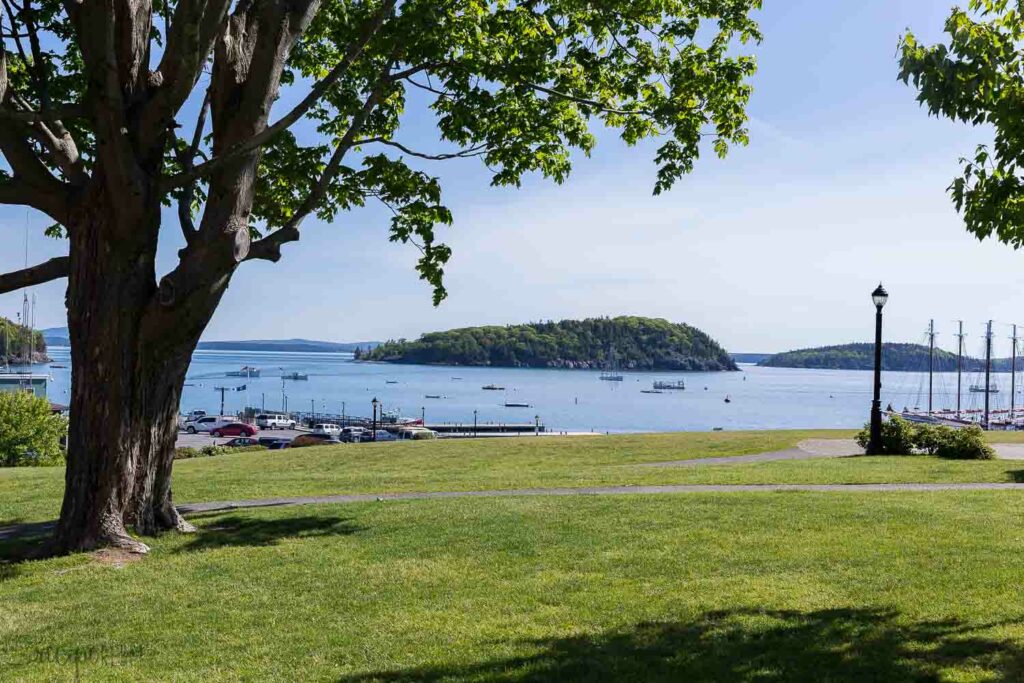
(202,439)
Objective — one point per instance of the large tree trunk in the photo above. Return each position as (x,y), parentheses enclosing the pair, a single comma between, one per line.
(129,360)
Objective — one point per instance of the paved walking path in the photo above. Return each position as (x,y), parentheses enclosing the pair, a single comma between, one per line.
(805,450)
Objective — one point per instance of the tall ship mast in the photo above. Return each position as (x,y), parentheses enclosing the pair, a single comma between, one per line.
(988,370)
(611,372)
(959,363)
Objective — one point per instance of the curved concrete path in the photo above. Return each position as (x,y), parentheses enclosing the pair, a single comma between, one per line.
(805,450)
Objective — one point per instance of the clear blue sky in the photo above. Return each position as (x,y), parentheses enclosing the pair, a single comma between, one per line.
(776,247)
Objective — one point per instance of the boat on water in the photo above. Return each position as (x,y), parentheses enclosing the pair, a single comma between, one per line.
(246,371)
(980,389)
(651,391)
(680,385)
(391,381)
(432,396)
(516,405)
(298,376)
(395,418)
(728,399)
(492,387)
(611,372)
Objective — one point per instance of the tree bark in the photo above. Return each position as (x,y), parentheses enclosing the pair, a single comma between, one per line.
(129,360)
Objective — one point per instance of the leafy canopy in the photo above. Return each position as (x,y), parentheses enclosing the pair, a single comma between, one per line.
(515,83)
(978,78)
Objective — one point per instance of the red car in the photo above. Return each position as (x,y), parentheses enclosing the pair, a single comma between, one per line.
(235,429)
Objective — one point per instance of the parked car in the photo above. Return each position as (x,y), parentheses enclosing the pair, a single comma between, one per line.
(313,440)
(206,424)
(327,429)
(274,421)
(383,435)
(354,434)
(242,441)
(273,442)
(416,434)
(234,429)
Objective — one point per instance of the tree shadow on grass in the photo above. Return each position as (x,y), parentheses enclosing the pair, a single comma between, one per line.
(1016,476)
(21,541)
(836,645)
(240,530)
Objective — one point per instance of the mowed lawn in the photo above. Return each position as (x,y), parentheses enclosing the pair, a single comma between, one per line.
(28,495)
(703,587)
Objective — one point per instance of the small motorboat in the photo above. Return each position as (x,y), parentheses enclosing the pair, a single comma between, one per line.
(492,387)
(391,381)
(432,396)
(246,371)
(295,376)
(516,405)
(728,399)
(651,391)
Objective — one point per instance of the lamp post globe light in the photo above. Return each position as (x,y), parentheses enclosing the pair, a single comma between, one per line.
(374,403)
(879,297)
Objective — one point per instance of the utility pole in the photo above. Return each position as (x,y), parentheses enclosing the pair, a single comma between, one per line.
(222,391)
(931,361)
(988,369)
(959,363)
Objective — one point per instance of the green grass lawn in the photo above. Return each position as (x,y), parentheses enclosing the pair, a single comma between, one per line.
(28,494)
(728,587)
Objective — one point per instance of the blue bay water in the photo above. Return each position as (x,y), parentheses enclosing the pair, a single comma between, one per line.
(570,400)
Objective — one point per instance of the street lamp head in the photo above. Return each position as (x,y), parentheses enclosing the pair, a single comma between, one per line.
(879,296)
(374,402)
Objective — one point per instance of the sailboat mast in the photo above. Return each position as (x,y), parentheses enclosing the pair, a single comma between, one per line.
(988,370)
(1013,374)
(959,363)
(931,361)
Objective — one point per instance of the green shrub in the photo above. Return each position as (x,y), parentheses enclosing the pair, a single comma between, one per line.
(898,436)
(185,453)
(30,434)
(967,443)
(930,438)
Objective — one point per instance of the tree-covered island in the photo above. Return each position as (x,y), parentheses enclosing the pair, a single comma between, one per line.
(895,357)
(638,343)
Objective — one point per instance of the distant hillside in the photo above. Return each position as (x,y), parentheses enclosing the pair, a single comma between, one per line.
(639,343)
(13,338)
(895,357)
(58,336)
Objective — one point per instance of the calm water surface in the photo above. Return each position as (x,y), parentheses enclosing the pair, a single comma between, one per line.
(573,400)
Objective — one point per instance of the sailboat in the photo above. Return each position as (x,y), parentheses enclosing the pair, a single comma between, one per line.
(611,372)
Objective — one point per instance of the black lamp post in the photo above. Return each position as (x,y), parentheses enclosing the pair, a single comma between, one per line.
(374,423)
(879,297)
(474,422)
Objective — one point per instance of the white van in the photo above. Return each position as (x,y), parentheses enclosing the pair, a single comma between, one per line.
(274,421)
(327,429)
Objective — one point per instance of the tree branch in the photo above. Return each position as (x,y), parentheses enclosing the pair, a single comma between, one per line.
(187,160)
(474,151)
(60,112)
(315,94)
(590,103)
(269,247)
(53,269)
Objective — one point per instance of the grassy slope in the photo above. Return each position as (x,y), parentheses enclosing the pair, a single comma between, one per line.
(744,587)
(34,494)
